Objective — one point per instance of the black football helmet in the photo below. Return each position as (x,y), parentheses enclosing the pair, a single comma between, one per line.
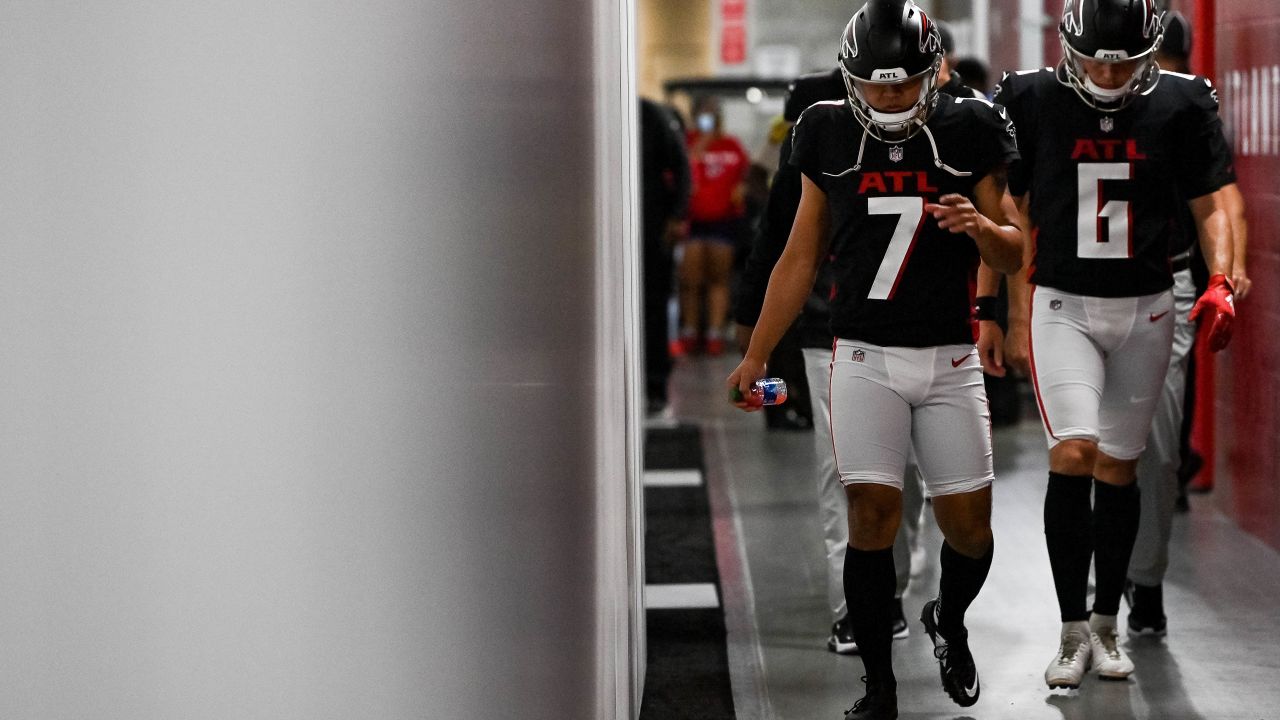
(1177,35)
(1110,31)
(886,42)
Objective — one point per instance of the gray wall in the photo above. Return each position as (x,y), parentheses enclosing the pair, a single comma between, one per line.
(813,26)
(298,380)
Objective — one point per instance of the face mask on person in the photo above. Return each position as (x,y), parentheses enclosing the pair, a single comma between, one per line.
(706,122)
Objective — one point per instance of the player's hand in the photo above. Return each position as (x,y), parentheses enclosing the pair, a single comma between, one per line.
(991,347)
(742,378)
(742,336)
(1241,282)
(1218,308)
(1017,348)
(956,213)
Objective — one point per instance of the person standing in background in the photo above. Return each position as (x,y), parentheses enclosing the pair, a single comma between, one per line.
(664,200)
(975,74)
(1158,467)
(719,166)
(949,78)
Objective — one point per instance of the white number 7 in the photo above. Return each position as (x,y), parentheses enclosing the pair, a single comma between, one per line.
(910,212)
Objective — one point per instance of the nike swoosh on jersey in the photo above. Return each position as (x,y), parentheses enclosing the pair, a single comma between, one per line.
(1155,317)
(956,363)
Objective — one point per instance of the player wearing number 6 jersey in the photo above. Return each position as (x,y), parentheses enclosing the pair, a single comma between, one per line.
(1110,147)
(904,189)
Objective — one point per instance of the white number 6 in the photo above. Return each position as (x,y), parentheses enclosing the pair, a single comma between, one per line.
(1090,244)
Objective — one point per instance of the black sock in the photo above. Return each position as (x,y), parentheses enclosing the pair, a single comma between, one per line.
(869,582)
(1115,527)
(1068,533)
(1148,600)
(962,578)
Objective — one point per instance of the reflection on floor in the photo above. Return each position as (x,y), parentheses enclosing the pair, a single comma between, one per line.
(1220,660)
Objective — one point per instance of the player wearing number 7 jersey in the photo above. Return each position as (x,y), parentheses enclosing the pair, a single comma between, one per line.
(1110,146)
(904,189)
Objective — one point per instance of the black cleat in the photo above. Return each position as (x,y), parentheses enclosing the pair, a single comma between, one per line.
(901,631)
(1146,609)
(841,640)
(880,703)
(955,662)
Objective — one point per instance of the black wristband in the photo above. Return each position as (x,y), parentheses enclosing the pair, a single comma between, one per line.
(985,307)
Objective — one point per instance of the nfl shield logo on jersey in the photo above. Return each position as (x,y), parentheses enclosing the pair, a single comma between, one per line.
(895,153)
(1108,124)
(859,355)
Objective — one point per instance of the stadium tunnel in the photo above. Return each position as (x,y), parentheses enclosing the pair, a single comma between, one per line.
(323,382)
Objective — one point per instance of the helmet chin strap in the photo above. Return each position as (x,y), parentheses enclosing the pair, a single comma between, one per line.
(1108,94)
(898,118)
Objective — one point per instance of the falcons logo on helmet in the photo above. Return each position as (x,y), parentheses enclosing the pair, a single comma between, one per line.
(1073,17)
(851,50)
(930,41)
(1150,19)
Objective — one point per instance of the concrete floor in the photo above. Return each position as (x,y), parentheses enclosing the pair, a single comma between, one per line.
(1220,660)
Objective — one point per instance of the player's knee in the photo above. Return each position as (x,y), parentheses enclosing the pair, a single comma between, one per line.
(971,539)
(965,521)
(874,516)
(872,535)
(1073,457)
(868,520)
(1115,471)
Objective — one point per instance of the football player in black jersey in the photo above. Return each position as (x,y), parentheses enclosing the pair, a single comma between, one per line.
(815,339)
(905,190)
(1110,147)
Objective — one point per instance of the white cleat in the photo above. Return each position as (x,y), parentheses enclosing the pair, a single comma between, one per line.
(1109,661)
(1071,662)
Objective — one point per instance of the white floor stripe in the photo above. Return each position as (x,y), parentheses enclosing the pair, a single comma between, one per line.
(676,596)
(661,423)
(672,478)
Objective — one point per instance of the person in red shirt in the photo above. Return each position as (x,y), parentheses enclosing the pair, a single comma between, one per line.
(718,166)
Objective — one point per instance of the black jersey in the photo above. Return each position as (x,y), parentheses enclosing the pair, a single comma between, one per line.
(897,278)
(1106,188)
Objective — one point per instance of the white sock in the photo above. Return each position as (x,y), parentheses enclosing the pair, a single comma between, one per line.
(1098,623)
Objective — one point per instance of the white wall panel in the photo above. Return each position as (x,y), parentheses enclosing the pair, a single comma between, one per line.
(297,382)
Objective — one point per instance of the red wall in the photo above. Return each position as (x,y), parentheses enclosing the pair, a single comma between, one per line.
(1002,37)
(1248,373)
(1052,44)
